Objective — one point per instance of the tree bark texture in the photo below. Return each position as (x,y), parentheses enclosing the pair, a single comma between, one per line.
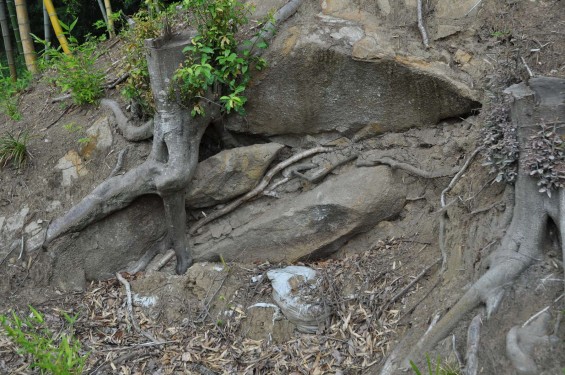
(170,166)
(538,100)
(25,35)
(7,42)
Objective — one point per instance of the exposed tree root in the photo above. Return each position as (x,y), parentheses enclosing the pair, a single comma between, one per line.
(408,168)
(129,130)
(473,336)
(522,242)
(174,156)
(421,26)
(325,170)
(119,163)
(169,167)
(259,188)
(443,216)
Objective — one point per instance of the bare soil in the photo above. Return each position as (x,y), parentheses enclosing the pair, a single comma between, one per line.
(360,280)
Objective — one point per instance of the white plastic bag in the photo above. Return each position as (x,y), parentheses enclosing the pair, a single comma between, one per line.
(295,291)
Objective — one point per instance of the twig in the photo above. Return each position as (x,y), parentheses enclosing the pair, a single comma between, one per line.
(473,336)
(473,7)
(119,80)
(58,118)
(125,283)
(410,310)
(535,316)
(7,255)
(259,188)
(407,287)
(61,98)
(163,262)
(408,168)
(459,174)
(455,352)
(527,67)
(443,216)
(119,162)
(422,27)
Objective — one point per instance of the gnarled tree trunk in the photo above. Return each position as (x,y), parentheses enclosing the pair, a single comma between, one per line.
(538,100)
(169,167)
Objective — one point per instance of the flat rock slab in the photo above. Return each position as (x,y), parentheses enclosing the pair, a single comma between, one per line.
(321,81)
(315,223)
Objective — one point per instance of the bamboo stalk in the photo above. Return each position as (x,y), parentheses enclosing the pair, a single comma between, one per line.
(14,20)
(27,43)
(7,42)
(57,26)
(110,19)
(103,11)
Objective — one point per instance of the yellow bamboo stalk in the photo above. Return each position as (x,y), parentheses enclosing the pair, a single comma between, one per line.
(110,19)
(57,26)
(27,43)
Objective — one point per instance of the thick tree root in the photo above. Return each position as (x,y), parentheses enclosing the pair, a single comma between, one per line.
(129,130)
(522,243)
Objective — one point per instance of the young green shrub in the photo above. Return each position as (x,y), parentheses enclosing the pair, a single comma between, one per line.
(55,353)
(215,58)
(14,149)
(9,93)
(76,73)
(137,87)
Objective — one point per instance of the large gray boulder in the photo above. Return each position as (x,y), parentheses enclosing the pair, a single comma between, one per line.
(330,75)
(315,223)
(229,174)
(107,246)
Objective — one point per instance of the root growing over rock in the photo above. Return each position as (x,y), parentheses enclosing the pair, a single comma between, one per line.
(168,169)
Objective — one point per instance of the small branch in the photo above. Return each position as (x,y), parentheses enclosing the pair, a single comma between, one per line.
(119,80)
(14,247)
(408,168)
(119,163)
(136,327)
(473,7)
(473,336)
(527,67)
(455,352)
(163,261)
(58,118)
(443,217)
(407,287)
(61,98)
(259,188)
(535,316)
(459,174)
(421,26)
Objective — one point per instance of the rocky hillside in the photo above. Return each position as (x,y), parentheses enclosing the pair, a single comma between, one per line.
(360,157)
